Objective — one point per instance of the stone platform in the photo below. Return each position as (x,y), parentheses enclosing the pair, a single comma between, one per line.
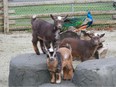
(30,70)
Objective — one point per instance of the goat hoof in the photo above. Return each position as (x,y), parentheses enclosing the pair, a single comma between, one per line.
(44,53)
(68,79)
(64,79)
(52,82)
(58,81)
(38,53)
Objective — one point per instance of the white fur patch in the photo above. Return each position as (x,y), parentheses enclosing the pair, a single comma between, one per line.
(96,34)
(58,81)
(59,18)
(57,34)
(66,56)
(51,50)
(34,16)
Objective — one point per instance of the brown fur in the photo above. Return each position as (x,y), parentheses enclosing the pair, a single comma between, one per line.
(82,49)
(86,37)
(66,66)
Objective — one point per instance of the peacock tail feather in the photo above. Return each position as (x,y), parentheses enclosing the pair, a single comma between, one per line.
(75,22)
(78,22)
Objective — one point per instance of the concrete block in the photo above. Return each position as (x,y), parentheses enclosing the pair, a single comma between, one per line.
(96,73)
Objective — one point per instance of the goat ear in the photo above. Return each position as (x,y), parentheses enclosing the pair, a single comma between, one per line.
(52,16)
(102,35)
(57,47)
(85,33)
(65,17)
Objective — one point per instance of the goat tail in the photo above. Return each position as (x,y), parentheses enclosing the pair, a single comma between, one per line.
(69,47)
(33,18)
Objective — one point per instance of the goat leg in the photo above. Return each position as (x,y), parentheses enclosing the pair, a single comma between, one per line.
(70,72)
(36,48)
(42,46)
(52,77)
(65,73)
(83,59)
(58,77)
(96,55)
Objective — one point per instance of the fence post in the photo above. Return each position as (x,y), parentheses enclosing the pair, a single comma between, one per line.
(6,17)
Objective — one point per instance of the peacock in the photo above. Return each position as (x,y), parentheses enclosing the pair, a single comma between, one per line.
(78,23)
(114,5)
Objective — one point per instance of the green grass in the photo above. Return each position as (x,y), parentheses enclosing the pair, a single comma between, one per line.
(29,10)
(61,8)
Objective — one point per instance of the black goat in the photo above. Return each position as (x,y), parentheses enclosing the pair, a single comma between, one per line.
(45,31)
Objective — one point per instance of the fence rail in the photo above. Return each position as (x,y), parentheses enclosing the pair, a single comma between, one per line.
(56,2)
(65,13)
(9,15)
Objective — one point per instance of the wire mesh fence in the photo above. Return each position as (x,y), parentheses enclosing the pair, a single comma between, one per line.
(60,8)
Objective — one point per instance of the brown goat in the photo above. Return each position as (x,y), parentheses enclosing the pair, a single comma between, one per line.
(83,35)
(45,31)
(84,49)
(58,61)
(100,48)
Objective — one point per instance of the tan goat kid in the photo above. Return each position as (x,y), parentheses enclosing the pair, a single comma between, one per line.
(58,61)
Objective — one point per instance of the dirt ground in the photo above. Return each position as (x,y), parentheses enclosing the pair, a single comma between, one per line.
(20,43)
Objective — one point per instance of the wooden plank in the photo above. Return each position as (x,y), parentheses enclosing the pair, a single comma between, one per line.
(95,23)
(11,22)
(10,12)
(11,4)
(79,13)
(6,18)
(1,18)
(20,27)
(104,22)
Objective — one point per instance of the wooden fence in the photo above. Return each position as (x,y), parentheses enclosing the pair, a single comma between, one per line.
(6,19)
(1,15)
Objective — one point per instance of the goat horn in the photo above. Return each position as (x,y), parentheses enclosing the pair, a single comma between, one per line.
(46,50)
(65,17)
(54,52)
